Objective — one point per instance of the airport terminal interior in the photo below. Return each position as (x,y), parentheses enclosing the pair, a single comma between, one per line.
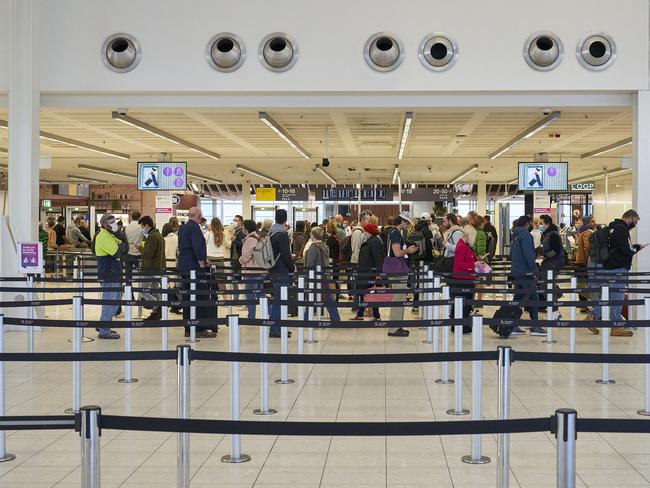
(239,248)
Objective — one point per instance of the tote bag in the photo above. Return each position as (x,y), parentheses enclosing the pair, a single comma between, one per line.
(393,264)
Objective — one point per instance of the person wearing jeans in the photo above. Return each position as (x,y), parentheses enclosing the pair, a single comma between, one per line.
(318,255)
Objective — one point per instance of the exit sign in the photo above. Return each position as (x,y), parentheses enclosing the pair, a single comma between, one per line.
(47,204)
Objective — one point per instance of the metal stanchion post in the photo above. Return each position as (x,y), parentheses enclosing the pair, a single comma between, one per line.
(128,311)
(458,333)
(565,436)
(4,456)
(301,314)
(573,316)
(77,332)
(475,456)
(235,455)
(80,275)
(284,338)
(183,454)
(435,312)
(604,332)
(444,380)
(549,308)
(319,298)
(164,310)
(503,413)
(427,311)
(264,367)
(192,338)
(646,367)
(312,298)
(30,314)
(90,433)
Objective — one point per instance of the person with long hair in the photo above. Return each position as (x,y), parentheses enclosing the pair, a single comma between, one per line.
(218,246)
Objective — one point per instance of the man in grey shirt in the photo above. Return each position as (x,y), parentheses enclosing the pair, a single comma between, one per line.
(134,235)
(74,235)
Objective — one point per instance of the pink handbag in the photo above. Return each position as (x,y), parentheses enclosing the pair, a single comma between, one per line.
(372,297)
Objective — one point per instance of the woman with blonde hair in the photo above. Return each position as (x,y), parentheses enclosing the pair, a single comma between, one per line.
(218,245)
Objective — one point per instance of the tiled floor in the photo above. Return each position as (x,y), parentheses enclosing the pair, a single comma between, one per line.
(400,392)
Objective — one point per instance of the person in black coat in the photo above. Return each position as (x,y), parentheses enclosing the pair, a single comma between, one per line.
(279,274)
(371,259)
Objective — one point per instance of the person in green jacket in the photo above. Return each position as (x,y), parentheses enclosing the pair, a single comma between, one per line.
(480,245)
(153,260)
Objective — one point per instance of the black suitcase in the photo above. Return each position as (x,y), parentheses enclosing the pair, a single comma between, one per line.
(508,314)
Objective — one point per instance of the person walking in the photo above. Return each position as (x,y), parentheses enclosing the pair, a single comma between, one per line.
(253,281)
(318,255)
(371,259)
(109,250)
(279,274)
(153,260)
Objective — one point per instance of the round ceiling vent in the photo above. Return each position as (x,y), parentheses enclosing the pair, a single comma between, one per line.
(438,52)
(596,51)
(278,52)
(121,53)
(543,51)
(225,52)
(384,52)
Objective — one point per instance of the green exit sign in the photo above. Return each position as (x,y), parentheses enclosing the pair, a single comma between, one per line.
(47,204)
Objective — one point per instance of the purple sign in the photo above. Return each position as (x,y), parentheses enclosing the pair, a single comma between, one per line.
(29,255)
(179,183)
(167,171)
(178,171)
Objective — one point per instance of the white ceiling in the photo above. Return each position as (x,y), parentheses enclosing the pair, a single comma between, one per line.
(362,145)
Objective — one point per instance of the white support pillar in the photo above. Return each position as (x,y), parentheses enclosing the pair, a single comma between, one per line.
(641,174)
(24,106)
(481,198)
(246,198)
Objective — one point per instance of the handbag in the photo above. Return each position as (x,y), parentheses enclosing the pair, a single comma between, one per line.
(443,264)
(481,267)
(393,264)
(372,297)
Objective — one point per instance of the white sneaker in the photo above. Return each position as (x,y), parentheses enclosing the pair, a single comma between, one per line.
(556,315)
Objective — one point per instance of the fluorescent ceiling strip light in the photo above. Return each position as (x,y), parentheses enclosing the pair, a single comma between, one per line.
(608,148)
(512,182)
(395,173)
(464,174)
(128,120)
(529,132)
(284,135)
(600,175)
(195,187)
(4,150)
(405,134)
(85,178)
(207,179)
(255,173)
(107,171)
(326,174)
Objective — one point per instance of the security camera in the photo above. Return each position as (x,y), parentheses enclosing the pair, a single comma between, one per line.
(326,162)
(122,111)
(547,111)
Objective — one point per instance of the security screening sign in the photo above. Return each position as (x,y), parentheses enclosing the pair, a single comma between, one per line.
(30,257)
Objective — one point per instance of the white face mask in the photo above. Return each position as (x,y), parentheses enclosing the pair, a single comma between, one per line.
(145,231)
(114,226)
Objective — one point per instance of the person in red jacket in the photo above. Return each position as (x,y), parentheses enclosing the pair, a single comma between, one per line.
(463,276)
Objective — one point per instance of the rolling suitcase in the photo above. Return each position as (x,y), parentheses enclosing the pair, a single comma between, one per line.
(508,314)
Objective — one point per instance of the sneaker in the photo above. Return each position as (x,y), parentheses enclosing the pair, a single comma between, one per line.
(206,334)
(537,331)
(556,315)
(399,333)
(593,330)
(517,331)
(109,335)
(591,316)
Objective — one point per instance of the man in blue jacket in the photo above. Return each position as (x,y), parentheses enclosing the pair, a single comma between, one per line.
(522,254)
(279,274)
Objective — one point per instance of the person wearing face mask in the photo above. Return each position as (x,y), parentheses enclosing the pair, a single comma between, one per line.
(109,250)
(153,260)
(621,252)
(553,253)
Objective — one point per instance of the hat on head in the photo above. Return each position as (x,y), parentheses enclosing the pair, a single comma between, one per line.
(405,215)
(105,219)
(371,229)
(425,216)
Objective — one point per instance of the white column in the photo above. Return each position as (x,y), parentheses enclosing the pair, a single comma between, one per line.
(481,198)
(24,105)
(641,175)
(246,198)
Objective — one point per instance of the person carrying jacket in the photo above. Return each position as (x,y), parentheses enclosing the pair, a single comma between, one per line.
(371,260)
(318,255)
(152,260)
(279,274)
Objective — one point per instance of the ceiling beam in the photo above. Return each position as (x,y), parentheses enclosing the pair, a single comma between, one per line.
(210,124)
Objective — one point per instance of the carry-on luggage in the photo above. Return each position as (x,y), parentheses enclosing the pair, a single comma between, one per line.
(508,314)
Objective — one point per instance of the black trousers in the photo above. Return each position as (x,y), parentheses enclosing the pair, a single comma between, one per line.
(202,312)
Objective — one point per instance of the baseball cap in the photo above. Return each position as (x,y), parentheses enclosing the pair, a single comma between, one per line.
(405,215)
(425,216)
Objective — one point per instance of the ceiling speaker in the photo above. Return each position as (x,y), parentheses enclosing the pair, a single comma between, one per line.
(384,52)
(543,51)
(278,52)
(121,53)
(225,52)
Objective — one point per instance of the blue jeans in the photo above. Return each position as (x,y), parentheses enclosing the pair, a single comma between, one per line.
(251,286)
(529,296)
(330,305)
(614,294)
(279,280)
(108,311)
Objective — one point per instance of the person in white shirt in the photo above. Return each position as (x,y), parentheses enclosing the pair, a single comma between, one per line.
(171,244)
(537,234)
(218,243)
(134,235)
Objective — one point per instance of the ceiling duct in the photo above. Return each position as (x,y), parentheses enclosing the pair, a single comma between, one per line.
(596,51)
(121,53)
(384,52)
(438,52)
(278,52)
(225,52)
(543,51)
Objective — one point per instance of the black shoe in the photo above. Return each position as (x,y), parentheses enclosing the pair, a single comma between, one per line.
(154,316)
(109,335)
(206,334)
(175,310)
(399,333)
(277,335)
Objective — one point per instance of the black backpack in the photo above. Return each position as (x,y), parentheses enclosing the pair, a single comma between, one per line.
(599,245)
(416,238)
(346,248)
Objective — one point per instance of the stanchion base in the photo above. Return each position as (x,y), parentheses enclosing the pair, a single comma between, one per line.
(314,341)
(70,411)
(645,413)
(241,459)
(444,382)
(192,341)
(605,382)
(427,342)
(7,457)
(549,342)
(83,339)
(259,411)
(124,380)
(452,411)
(282,382)
(470,460)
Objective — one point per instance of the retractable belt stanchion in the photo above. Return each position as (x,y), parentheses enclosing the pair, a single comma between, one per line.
(458,365)
(264,367)
(301,314)
(319,298)
(4,456)
(475,456)
(235,455)
(444,366)
(427,311)
(566,447)
(128,316)
(311,310)
(503,413)
(193,338)
(77,332)
(646,367)
(604,332)
(573,316)
(78,272)
(183,449)
(90,433)
(30,313)
(164,310)
(284,339)
(435,312)
(549,308)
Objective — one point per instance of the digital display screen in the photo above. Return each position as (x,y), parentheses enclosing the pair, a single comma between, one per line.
(162,176)
(543,176)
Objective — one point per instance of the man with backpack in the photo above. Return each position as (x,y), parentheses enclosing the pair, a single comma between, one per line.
(279,273)
(616,257)
(247,261)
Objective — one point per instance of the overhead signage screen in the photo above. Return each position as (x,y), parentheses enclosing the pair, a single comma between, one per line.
(352,193)
(428,194)
(162,176)
(543,176)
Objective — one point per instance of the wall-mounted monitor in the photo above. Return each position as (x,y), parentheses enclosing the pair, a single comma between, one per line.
(543,176)
(162,176)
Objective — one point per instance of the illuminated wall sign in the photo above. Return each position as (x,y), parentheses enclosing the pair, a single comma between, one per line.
(343,194)
(292,194)
(265,194)
(584,186)
(428,194)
